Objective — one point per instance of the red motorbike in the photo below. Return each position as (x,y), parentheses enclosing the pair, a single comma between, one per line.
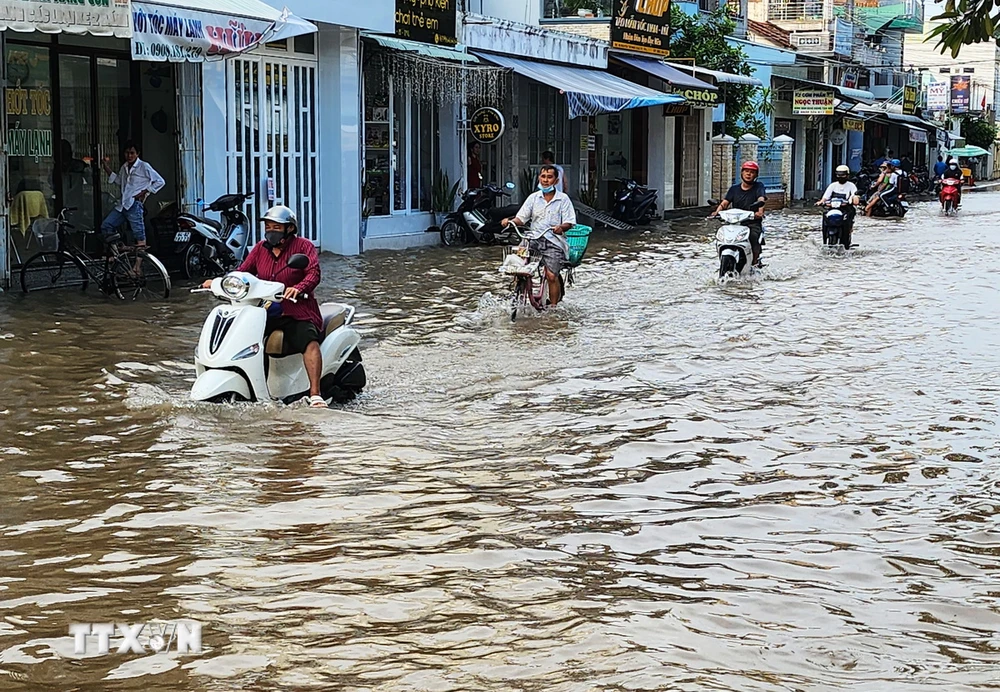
(950,195)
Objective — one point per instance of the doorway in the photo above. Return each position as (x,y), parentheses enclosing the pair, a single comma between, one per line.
(687,157)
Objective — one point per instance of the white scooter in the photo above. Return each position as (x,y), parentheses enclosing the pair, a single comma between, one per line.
(233,362)
(732,242)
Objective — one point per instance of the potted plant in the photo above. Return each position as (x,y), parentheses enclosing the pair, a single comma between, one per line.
(443,196)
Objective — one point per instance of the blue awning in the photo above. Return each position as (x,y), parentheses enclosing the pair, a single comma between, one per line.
(670,75)
(589,92)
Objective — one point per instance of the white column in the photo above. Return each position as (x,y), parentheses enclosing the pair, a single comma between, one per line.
(670,125)
(655,148)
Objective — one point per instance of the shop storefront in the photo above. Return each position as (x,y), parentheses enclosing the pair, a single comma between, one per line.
(416,99)
(73,97)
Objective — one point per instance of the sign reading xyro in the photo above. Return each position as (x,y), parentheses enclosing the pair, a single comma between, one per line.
(486,125)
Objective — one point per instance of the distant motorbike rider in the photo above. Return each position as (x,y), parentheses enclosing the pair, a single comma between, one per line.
(743,196)
(954,171)
(886,187)
(842,188)
(300,321)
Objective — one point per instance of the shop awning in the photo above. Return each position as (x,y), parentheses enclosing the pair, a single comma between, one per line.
(720,77)
(425,49)
(184,30)
(901,118)
(968,151)
(111,19)
(589,92)
(661,70)
(859,95)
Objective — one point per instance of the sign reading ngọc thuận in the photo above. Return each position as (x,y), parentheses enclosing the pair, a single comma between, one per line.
(427,21)
(812,102)
(641,26)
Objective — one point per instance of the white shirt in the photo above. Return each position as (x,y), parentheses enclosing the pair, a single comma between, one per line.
(844,190)
(893,179)
(139,178)
(542,215)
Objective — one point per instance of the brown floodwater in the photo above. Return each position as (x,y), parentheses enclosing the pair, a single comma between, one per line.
(780,484)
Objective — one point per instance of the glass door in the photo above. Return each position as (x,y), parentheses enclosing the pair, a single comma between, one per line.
(114,122)
(77,146)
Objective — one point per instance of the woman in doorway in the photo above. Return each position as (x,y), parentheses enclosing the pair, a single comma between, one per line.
(475,167)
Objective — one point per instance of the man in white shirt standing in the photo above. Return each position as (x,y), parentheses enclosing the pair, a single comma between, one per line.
(138,181)
(550,214)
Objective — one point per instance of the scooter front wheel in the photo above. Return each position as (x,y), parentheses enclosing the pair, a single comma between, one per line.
(452,233)
(727,266)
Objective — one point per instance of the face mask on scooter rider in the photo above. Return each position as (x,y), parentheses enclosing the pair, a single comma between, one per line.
(273,238)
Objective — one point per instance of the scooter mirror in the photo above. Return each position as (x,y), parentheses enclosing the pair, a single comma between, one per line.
(509,186)
(298,261)
(713,203)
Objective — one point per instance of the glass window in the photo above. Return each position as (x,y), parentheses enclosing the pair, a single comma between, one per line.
(377,164)
(76,102)
(585,9)
(306,43)
(423,156)
(548,125)
(398,157)
(30,147)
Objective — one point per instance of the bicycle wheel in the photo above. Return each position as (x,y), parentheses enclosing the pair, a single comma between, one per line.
(139,276)
(51,270)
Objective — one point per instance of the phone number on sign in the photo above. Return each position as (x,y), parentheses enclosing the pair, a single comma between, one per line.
(166,51)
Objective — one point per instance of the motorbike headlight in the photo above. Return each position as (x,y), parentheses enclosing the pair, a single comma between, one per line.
(236,287)
(248,352)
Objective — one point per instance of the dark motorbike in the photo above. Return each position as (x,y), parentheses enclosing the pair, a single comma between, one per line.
(888,206)
(209,247)
(836,227)
(633,204)
(478,218)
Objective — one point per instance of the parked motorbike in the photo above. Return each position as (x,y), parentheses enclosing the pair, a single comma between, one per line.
(732,241)
(836,229)
(478,217)
(633,204)
(950,195)
(234,363)
(529,286)
(209,247)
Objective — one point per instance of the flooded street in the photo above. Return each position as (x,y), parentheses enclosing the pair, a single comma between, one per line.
(781,484)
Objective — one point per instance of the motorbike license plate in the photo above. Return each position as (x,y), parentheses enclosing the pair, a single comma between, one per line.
(182,236)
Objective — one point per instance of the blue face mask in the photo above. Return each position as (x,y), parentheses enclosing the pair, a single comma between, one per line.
(547,190)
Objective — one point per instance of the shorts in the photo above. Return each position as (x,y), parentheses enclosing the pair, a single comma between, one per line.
(553,256)
(298,333)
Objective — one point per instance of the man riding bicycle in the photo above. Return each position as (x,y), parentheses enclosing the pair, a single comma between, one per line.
(550,214)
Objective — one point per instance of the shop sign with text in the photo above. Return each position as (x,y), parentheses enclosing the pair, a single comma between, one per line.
(959,94)
(937,96)
(179,34)
(699,98)
(676,109)
(486,125)
(853,125)
(98,17)
(641,25)
(918,136)
(427,21)
(812,102)
(910,94)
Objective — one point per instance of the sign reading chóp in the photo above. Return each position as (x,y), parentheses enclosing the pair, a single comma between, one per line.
(486,125)
(641,25)
(427,21)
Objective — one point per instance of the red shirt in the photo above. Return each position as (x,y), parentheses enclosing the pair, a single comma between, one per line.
(262,263)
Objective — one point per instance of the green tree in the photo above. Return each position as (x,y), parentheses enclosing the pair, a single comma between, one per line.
(703,37)
(966,22)
(978,132)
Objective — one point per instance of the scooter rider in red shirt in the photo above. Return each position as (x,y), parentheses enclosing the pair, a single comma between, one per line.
(301,320)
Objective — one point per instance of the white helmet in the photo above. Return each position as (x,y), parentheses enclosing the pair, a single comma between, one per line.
(281,214)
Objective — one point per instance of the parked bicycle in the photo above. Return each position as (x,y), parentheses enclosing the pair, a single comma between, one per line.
(124,272)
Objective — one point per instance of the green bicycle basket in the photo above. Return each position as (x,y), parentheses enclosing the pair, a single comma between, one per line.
(578,236)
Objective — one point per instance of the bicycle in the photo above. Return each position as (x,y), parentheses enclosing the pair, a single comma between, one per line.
(127,273)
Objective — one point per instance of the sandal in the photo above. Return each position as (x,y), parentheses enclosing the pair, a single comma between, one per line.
(317,402)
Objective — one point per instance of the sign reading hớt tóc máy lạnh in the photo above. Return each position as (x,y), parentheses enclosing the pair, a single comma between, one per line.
(812,102)
(486,125)
(179,34)
(642,26)
(427,21)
